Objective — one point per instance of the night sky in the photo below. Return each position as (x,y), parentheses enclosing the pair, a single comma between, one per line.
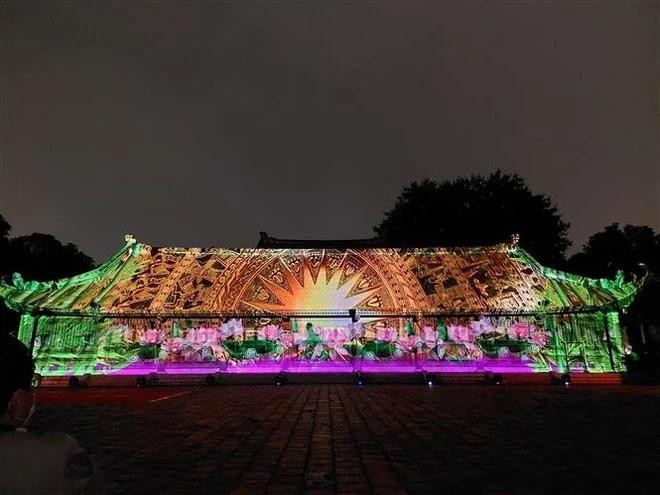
(202,124)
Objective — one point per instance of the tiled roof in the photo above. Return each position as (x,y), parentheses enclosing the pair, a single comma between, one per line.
(141,280)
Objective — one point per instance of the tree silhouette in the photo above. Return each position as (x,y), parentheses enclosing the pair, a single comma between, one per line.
(476,211)
(615,248)
(43,257)
(36,257)
(5,228)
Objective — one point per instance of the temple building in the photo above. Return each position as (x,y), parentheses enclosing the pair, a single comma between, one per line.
(322,306)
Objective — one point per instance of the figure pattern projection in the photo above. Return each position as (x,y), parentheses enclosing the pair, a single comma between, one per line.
(462,308)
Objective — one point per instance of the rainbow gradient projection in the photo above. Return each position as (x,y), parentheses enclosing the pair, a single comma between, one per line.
(247,310)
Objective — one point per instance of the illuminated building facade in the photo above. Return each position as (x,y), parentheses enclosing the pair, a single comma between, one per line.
(322,309)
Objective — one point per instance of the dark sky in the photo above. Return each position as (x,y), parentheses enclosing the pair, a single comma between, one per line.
(202,124)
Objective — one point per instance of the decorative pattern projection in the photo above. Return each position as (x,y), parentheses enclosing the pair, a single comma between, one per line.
(463,308)
(72,345)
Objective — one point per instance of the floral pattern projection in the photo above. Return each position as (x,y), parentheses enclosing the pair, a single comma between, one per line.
(290,307)
(119,345)
(66,347)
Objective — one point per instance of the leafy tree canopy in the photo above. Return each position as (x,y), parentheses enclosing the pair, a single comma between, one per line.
(36,257)
(43,257)
(476,211)
(616,248)
(39,256)
(5,228)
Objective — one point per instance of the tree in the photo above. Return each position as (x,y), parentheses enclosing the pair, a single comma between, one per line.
(615,248)
(36,257)
(476,211)
(5,228)
(43,257)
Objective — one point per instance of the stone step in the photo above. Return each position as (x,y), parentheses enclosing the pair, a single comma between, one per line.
(220,378)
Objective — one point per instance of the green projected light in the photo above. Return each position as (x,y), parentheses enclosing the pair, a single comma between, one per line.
(251,309)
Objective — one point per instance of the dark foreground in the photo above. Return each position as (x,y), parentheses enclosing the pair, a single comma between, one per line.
(374,439)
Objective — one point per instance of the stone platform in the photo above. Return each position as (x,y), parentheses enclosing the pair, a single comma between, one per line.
(417,377)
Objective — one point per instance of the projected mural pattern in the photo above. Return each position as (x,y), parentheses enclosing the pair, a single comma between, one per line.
(462,307)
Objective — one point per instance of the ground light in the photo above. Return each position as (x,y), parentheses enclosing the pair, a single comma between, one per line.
(429,379)
(359,377)
(493,379)
(280,378)
(566,379)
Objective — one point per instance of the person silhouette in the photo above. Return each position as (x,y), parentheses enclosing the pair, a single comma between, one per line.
(53,463)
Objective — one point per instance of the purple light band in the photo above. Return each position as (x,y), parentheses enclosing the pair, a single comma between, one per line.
(501,366)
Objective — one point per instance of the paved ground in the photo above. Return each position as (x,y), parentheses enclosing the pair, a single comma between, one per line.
(373,439)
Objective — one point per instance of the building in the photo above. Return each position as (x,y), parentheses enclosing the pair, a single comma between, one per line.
(323,307)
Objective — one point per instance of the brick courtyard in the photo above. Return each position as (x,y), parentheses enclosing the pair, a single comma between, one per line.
(373,439)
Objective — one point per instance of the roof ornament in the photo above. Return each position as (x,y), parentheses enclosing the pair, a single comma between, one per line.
(17,280)
(515,239)
(129,238)
(619,279)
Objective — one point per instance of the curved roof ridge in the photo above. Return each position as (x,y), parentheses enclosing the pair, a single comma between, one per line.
(143,279)
(80,277)
(449,248)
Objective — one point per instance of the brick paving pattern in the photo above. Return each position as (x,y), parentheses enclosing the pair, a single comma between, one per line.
(371,439)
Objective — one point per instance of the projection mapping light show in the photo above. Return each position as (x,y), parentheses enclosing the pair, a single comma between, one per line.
(321,310)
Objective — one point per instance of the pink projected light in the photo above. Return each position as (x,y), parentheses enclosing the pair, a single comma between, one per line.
(502,366)
(215,310)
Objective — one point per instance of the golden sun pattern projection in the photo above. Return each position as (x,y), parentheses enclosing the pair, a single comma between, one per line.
(312,293)
(161,296)
(145,281)
(323,282)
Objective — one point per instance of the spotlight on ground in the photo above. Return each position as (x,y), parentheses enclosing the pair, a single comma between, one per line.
(429,379)
(141,381)
(566,379)
(359,377)
(280,378)
(493,379)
